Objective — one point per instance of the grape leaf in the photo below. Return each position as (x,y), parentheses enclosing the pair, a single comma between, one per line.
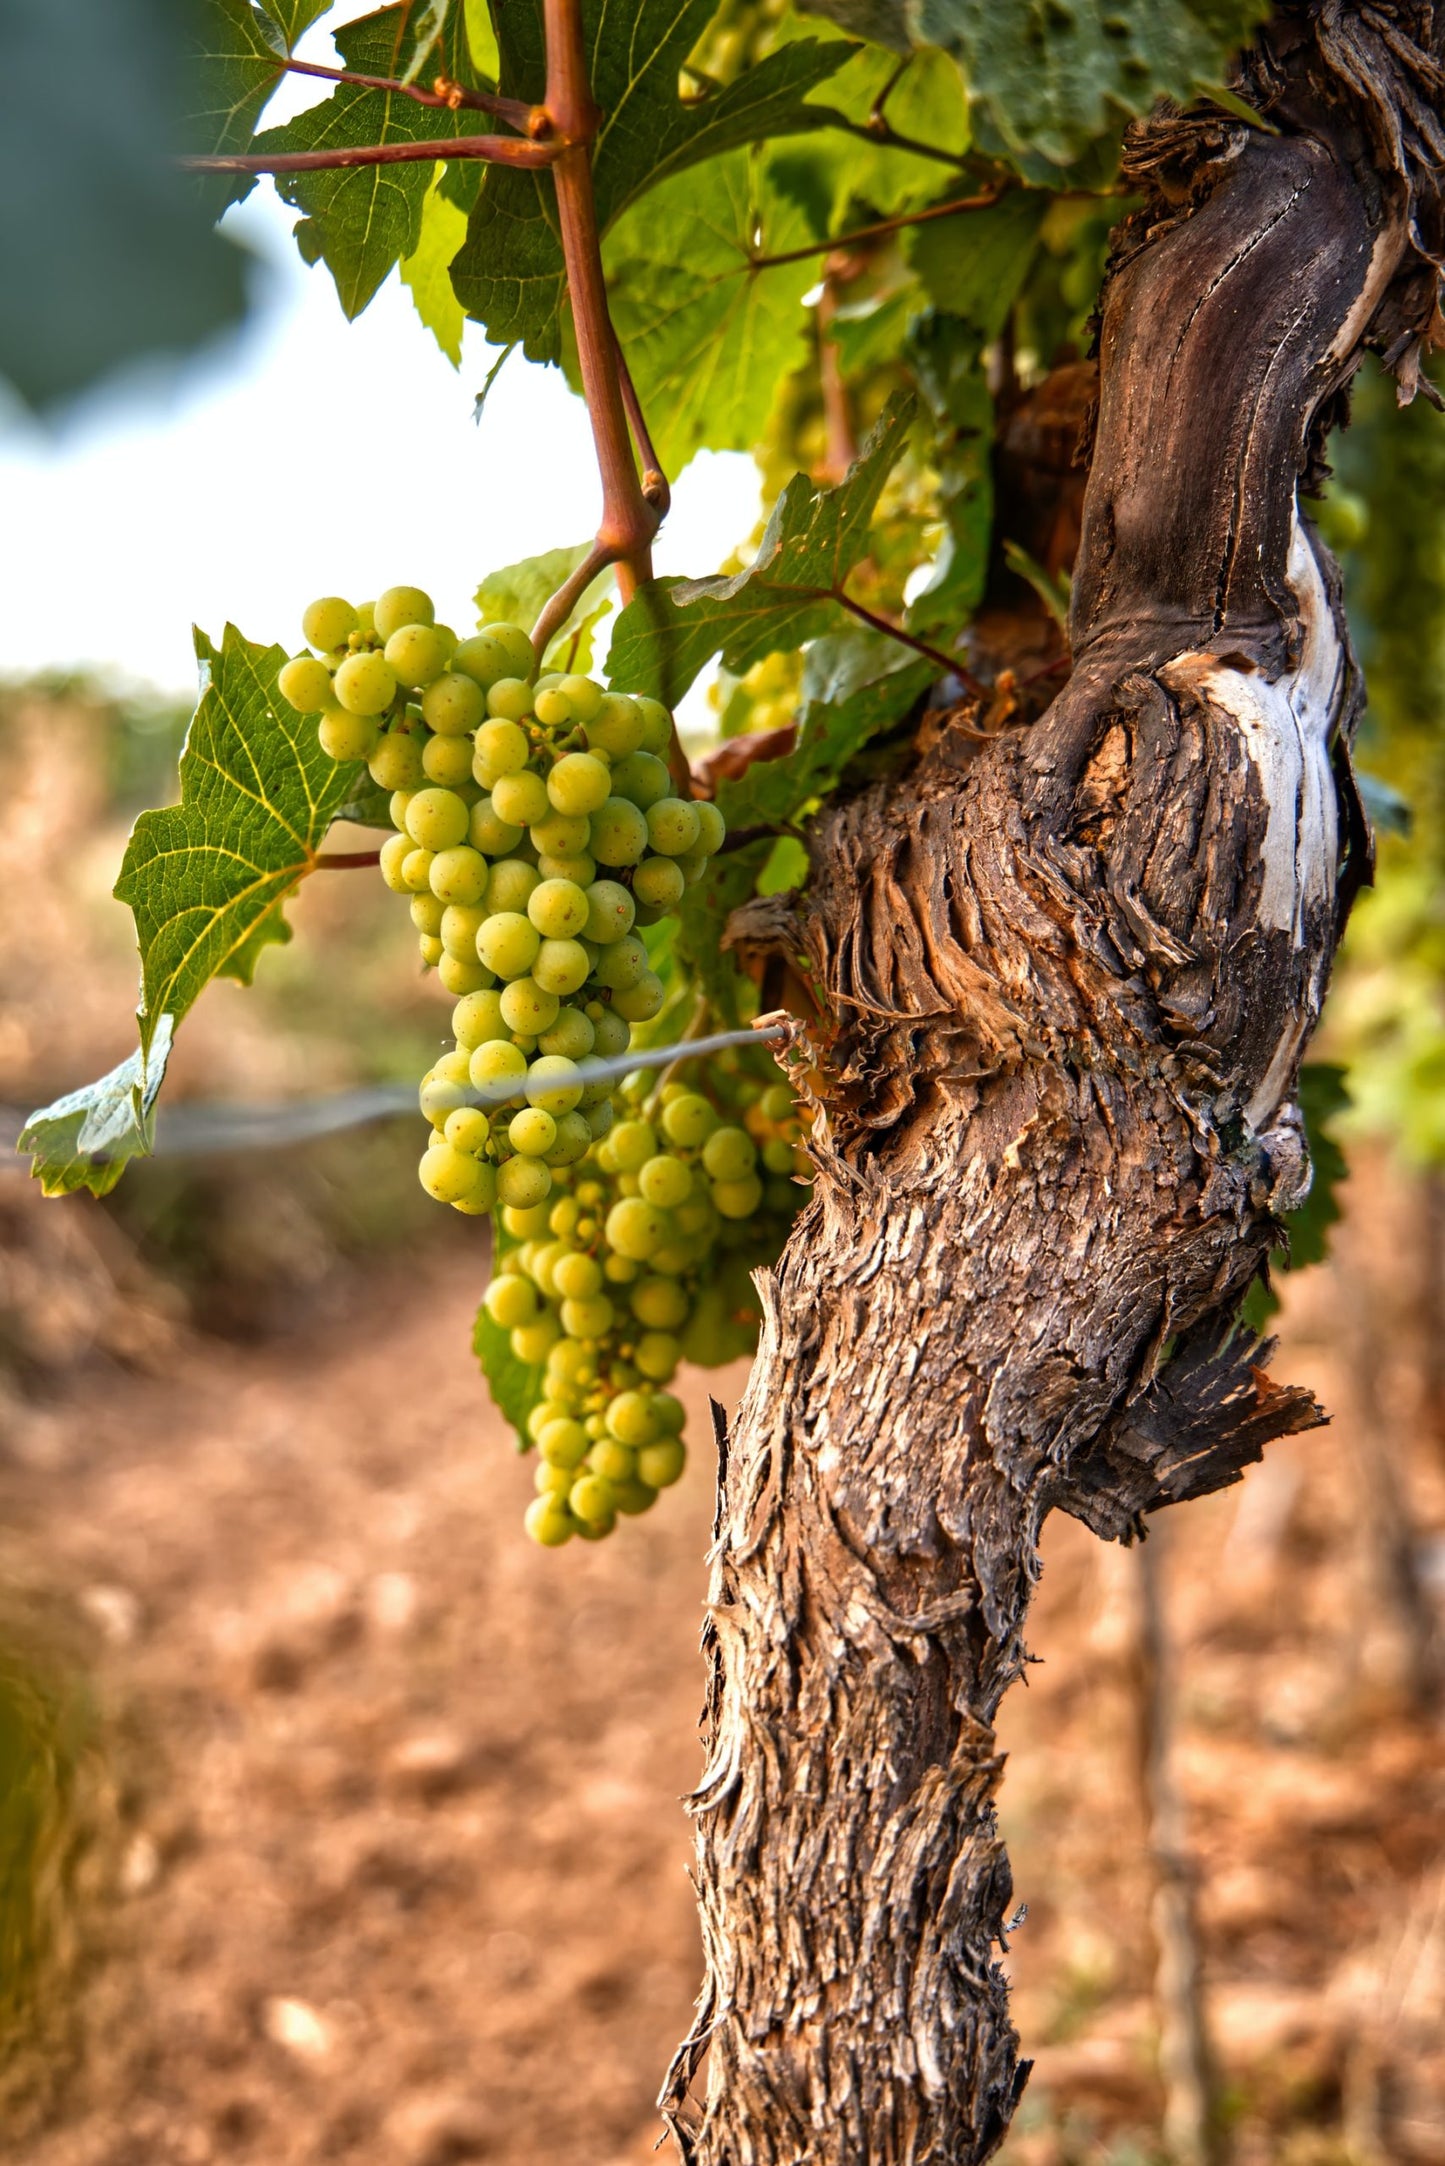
(1048,76)
(424,272)
(785,597)
(508,274)
(707,336)
(516,595)
(293,17)
(515,1386)
(205,881)
(729,880)
(237,62)
(829,735)
(836,175)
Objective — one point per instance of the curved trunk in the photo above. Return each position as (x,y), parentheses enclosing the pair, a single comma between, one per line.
(1070,976)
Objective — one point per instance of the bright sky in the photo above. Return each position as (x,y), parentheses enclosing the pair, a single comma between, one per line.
(310,456)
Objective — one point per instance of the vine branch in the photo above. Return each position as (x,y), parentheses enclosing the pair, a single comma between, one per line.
(448,95)
(981,202)
(946,662)
(491,149)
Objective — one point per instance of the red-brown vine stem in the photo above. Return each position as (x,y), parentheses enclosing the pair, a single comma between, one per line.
(491,149)
(446,95)
(946,662)
(984,201)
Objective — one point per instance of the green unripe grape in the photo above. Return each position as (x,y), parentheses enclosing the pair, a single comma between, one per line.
(562,1443)
(561,967)
(619,1270)
(458,974)
(582,696)
(674,1257)
(658,883)
(632,1144)
(641,1002)
(511,698)
(613,1035)
(447,761)
(365,684)
(636,1228)
(477,1020)
(659,1304)
(397,762)
(573,1035)
(328,623)
(347,736)
(581,871)
(657,1355)
(496,1061)
(483,660)
(517,647)
(533,1343)
(500,749)
(609,912)
(482,1200)
(548,1522)
(578,1276)
(579,784)
(692,867)
(552,707)
(656,725)
(523,1182)
(621,963)
(468,1129)
(665,1181)
(398,807)
(460,924)
(558,909)
(437,819)
(551,1481)
(554,1082)
(617,726)
(448,1175)
(520,799)
(439,1096)
(673,826)
(430,950)
(688,1121)
(545,1255)
(630,1419)
(416,869)
(574,1139)
(525,1224)
(738,1199)
(560,835)
(510,1300)
(394,853)
(532,1132)
(564,1217)
(305,684)
(510,886)
(697,1215)
(508,943)
(426,913)
(528,1008)
(777,1155)
(595,1094)
(453,705)
(592,1318)
(668,1412)
(600,1119)
(459,875)
(618,833)
(615,1463)
(488,833)
(399,606)
(729,1154)
(418,654)
(711,826)
(642,779)
(591,1501)
(659,1465)
(776,1102)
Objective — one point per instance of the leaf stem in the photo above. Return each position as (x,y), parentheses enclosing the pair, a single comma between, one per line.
(947,662)
(344,860)
(492,149)
(454,97)
(981,202)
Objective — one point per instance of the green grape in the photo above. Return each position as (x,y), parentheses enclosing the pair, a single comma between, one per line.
(508,943)
(528,1008)
(697,1215)
(778,1156)
(398,807)
(510,886)
(416,869)
(712,828)
(591,1318)
(401,605)
(612,1035)
(467,1129)
(453,706)
(365,684)
(554,1082)
(560,835)
(591,1500)
(437,819)
(639,1003)
(636,1228)
(500,749)
(426,913)
(659,1304)
(582,695)
(738,1199)
(558,909)
(448,761)
(632,1144)
(573,1034)
(578,1276)
(656,725)
(305,684)
(631,1420)
(397,763)
(668,1412)
(477,1020)
(483,660)
(525,1223)
(633,1497)
(517,647)
(510,1300)
(665,1181)
(579,784)
(459,876)
(458,975)
(609,911)
(688,1121)
(417,655)
(658,883)
(615,1463)
(674,1257)
(729,1154)
(574,1139)
(460,924)
(660,1465)
(394,853)
(447,1174)
(562,1443)
(621,963)
(776,1103)
(523,1181)
(599,1119)
(642,779)
(497,1061)
(619,1270)
(483,1197)
(430,949)
(548,1522)
(347,736)
(569,1362)
(532,1132)
(657,1355)
(328,623)
(562,966)
(552,707)
(617,726)
(673,826)
(510,698)
(493,836)
(692,867)
(520,799)
(581,871)
(551,1481)
(444,1088)
(618,833)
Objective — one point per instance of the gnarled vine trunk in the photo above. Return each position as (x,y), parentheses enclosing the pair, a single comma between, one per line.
(1070,977)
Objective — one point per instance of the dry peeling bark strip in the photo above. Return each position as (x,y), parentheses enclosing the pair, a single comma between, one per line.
(1075,976)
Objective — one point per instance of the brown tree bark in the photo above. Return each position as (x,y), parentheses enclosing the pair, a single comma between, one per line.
(1070,976)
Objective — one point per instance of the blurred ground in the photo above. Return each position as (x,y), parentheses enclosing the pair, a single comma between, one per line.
(350,1821)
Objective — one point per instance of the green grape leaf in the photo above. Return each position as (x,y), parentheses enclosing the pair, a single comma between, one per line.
(517,593)
(482,39)
(729,880)
(362,221)
(87,1138)
(237,61)
(425,271)
(1048,76)
(205,880)
(829,736)
(515,1386)
(786,596)
(428,31)
(293,17)
(509,275)
(838,178)
(707,337)
(973,265)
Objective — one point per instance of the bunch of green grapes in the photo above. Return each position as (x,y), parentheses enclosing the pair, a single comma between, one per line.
(645,1261)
